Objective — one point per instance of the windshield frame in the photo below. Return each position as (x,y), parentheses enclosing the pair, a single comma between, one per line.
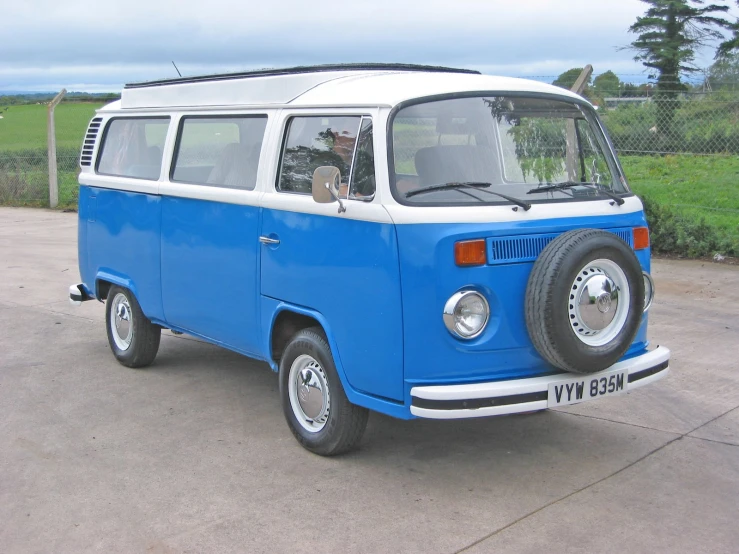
(589,114)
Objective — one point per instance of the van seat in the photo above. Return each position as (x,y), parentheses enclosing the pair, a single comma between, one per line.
(457,163)
(234,169)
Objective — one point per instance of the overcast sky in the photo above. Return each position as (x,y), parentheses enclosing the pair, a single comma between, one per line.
(99,46)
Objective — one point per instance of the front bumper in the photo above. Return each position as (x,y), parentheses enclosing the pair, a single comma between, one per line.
(523,395)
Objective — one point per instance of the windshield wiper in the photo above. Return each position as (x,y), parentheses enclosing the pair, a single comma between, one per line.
(571,184)
(478,185)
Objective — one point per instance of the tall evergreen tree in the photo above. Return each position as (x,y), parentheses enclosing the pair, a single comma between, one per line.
(669,34)
(731,46)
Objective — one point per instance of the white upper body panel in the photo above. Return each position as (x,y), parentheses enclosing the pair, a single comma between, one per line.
(329,88)
(372,93)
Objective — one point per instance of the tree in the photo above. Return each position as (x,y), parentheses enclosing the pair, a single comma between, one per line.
(607,84)
(568,78)
(730,46)
(669,34)
(724,73)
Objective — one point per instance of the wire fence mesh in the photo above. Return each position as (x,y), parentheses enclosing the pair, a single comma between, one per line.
(691,124)
(24,179)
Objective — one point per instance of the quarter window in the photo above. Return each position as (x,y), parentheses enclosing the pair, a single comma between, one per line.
(363,173)
(313,142)
(133,147)
(219,151)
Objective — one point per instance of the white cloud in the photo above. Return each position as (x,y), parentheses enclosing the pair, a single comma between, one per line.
(109,43)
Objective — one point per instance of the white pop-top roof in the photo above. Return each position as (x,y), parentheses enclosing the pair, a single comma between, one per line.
(351,87)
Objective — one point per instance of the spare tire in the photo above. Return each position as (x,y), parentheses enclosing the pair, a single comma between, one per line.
(584,300)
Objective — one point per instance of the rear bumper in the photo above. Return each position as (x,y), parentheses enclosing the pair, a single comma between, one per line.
(523,395)
(78,294)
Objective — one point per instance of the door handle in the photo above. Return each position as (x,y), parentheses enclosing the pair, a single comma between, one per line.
(268,240)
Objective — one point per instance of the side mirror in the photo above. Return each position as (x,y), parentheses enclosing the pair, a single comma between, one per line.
(326,180)
(325,186)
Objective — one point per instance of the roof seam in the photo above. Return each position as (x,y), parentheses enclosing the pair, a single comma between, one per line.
(316,86)
(301,70)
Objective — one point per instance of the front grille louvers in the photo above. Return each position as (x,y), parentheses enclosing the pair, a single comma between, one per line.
(507,250)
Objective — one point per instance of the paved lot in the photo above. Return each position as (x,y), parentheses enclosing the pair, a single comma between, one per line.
(192,455)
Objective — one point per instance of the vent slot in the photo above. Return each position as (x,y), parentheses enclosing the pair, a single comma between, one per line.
(526,248)
(89,143)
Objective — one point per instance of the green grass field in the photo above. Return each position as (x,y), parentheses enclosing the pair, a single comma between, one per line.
(23,166)
(24,127)
(701,187)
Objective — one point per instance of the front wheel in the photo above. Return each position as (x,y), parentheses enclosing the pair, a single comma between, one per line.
(314,402)
(133,339)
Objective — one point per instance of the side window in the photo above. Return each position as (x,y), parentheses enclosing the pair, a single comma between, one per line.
(132,147)
(312,142)
(219,151)
(363,174)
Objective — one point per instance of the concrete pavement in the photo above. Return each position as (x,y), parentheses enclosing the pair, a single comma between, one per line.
(193,455)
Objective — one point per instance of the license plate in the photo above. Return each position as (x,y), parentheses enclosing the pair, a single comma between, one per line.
(582,389)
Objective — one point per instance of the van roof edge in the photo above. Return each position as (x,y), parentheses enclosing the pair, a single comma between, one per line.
(302,69)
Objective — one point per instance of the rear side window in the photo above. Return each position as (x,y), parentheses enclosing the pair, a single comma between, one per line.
(313,142)
(132,147)
(219,151)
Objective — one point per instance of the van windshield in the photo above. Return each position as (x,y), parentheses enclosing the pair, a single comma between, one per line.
(467,151)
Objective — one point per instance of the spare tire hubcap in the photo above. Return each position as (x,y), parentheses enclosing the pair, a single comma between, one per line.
(598,302)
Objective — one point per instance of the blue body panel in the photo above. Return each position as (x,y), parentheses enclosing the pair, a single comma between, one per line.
(430,277)
(346,270)
(123,243)
(271,308)
(377,289)
(209,271)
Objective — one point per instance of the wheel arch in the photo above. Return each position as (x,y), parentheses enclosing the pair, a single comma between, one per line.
(104,280)
(270,309)
(288,319)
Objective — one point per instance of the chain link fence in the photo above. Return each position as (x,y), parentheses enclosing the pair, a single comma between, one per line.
(706,123)
(24,178)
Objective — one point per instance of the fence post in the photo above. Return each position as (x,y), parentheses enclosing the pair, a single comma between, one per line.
(577,88)
(51,140)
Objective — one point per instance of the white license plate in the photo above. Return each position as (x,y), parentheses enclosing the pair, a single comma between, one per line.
(587,387)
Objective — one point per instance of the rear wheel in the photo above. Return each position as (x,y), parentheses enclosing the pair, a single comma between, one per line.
(133,339)
(314,402)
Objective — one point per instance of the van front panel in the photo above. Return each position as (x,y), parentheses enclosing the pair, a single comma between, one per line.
(430,277)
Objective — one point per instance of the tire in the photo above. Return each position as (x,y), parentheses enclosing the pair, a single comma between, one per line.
(576,285)
(313,400)
(133,339)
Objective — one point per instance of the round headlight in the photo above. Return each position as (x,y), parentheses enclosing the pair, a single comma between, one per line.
(466,313)
(648,290)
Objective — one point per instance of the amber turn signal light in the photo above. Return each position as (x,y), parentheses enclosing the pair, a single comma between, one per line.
(641,238)
(470,252)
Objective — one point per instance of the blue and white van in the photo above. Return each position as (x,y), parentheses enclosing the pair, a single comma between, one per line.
(417,241)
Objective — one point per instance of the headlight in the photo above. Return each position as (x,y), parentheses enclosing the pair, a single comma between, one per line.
(648,290)
(466,313)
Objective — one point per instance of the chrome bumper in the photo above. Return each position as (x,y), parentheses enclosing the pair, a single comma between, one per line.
(523,395)
(79,294)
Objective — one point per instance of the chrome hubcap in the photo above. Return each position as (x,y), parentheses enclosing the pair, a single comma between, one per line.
(599,302)
(121,322)
(310,398)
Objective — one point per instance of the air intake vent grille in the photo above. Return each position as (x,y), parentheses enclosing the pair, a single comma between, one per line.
(89,144)
(526,248)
